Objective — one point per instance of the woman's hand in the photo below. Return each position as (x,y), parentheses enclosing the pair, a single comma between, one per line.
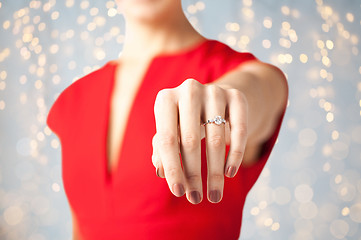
(180,113)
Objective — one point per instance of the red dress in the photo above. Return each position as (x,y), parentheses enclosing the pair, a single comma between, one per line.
(132,202)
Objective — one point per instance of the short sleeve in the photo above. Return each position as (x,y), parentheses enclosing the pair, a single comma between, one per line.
(246,57)
(58,115)
(226,60)
(66,108)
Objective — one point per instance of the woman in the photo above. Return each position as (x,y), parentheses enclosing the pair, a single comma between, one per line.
(217,113)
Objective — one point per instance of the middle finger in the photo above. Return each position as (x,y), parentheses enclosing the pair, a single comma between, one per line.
(190,135)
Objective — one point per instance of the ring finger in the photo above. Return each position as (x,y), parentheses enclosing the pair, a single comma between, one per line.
(215,143)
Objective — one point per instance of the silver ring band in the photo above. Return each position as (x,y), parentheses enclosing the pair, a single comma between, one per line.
(217,120)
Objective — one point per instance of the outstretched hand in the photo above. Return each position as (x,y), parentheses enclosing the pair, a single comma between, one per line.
(180,113)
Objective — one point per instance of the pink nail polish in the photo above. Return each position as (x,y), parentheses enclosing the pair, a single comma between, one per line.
(195,197)
(178,190)
(215,196)
(231,171)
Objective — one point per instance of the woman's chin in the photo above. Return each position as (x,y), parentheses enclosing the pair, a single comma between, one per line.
(145,16)
(149,10)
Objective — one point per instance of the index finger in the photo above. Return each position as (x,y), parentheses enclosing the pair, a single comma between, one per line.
(166,116)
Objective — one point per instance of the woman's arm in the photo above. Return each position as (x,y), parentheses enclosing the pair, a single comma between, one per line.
(266,91)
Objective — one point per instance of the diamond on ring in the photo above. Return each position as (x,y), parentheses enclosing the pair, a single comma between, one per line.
(217,120)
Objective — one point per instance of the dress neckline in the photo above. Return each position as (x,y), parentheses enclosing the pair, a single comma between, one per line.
(186,51)
(111,172)
(173,54)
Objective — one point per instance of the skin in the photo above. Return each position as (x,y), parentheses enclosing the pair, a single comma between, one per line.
(251,97)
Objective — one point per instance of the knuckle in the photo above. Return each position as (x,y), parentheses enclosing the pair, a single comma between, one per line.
(190,141)
(167,139)
(216,176)
(190,83)
(237,154)
(238,96)
(214,91)
(235,93)
(172,172)
(190,88)
(193,177)
(163,95)
(242,129)
(216,141)
(164,92)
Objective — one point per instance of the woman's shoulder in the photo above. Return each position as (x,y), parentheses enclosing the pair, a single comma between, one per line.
(94,76)
(220,49)
(69,100)
(84,84)
(219,58)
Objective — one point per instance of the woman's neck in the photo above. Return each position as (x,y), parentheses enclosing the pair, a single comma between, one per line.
(144,41)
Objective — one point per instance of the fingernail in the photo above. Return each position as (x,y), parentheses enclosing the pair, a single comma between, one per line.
(178,189)
(231,171)
(195,197)
(157,172)
(215,196)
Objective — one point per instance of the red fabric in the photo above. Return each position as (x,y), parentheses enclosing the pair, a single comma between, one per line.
(132,202)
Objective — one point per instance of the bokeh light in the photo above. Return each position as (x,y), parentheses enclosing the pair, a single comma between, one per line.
(310,187)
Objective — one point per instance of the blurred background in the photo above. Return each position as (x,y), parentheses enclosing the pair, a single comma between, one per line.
(311,185)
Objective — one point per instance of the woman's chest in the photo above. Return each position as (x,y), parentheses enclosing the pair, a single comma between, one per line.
(85,152)
(126,118)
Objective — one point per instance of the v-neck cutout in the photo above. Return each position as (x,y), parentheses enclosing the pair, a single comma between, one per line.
(111,171)
(112,168)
